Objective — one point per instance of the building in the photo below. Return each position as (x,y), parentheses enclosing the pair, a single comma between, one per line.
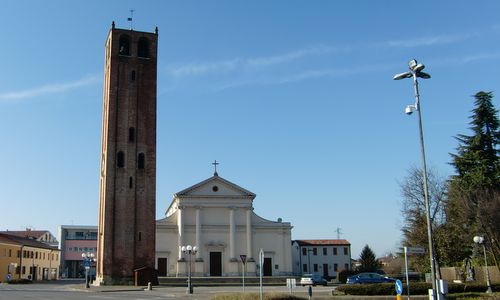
(217,216)
(127,198)
(43,236)
(323,257)
(27,258)
(74,241)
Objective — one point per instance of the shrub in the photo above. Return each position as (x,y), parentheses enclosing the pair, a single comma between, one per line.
(20,281)
(344,274)
(416,288)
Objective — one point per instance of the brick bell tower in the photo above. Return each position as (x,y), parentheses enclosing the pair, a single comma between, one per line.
(127,200)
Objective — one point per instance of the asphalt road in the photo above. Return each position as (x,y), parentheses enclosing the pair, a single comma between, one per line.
(72,291)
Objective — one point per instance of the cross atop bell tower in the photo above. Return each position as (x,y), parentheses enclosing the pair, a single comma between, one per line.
(127,201)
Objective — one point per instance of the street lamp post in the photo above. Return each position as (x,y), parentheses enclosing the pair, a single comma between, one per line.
(88,258)
(415,71)
(189,250)
(480,240)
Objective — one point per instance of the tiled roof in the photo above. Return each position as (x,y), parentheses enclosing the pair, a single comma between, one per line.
(26,233)
(340,242)
(6,238)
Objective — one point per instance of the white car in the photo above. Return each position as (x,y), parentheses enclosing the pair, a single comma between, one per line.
(312,279)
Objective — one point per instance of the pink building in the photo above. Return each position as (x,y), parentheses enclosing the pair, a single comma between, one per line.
(74,241)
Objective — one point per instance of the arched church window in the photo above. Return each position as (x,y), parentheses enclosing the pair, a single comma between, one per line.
(120,159)
(143,47)
(140,161)
(124,45)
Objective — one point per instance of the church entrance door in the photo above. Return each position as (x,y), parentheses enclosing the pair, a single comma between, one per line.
(215,263)
(268,266)
(162,266)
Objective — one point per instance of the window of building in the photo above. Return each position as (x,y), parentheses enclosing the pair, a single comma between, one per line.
(315,267)
(334,251)
(130,182)
(325,251)
(304,251)
(346,251)
(36,255)
(24,270)
(315,251)
(346,266)
(131,134)
(79,235)
(124,45)
(10,252)
(140,161)
(304,268)
(143,47)
(335,267)
(18,253)
(120,159)
(132,77)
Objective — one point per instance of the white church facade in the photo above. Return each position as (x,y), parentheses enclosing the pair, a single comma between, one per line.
(217,217)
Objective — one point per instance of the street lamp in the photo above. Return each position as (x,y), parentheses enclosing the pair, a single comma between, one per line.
(189,250)
(480,240)
(415,71)
(88,258)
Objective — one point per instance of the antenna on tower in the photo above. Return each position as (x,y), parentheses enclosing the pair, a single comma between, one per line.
(339,232)
(130,19)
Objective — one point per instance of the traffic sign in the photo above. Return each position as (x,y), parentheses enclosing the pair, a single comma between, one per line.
(399,287)
(243,258)
(415,250)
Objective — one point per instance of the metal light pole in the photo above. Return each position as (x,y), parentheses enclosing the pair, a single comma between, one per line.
(88,258)
(480,240)
(416,71)
(189,250)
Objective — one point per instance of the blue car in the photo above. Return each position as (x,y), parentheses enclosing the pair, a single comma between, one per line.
(369,278)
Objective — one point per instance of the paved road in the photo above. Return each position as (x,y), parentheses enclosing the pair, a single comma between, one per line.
(72,291)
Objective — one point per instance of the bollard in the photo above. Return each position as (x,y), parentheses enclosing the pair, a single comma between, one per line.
(150,287)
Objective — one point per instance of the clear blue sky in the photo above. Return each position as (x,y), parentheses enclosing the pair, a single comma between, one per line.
(295,99)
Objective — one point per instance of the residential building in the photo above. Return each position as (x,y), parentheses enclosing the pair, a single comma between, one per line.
(43,236)
(324,257)
(27,258)
(74,241)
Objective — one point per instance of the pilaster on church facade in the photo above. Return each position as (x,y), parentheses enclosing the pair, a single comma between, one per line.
(217,216)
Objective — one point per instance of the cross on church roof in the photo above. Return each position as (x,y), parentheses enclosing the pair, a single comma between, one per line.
(215,163)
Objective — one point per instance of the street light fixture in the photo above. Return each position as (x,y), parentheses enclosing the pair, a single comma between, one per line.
(480,240)
(415,71)
(189,250)
(88,259)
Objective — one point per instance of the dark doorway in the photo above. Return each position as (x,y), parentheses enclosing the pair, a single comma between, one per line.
(268,266)
(325,271)
(162,266)
(215,263)
(33,276)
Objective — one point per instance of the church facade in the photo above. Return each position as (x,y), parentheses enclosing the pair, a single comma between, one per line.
(217,217)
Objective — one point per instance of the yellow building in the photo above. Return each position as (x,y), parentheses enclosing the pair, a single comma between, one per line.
(27,258)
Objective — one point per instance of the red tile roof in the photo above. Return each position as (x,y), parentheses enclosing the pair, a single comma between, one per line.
(340,242)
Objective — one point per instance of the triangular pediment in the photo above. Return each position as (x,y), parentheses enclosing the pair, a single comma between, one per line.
(215,186)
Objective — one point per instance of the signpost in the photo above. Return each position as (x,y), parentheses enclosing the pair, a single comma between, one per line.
(243,260)
(411,250)
(399,289)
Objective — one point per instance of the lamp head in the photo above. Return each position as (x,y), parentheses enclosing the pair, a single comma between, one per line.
(409,109)
(412,64)
(189,248)
(478,239)
(84,255)
(183,248)
(402,75)
(195,249)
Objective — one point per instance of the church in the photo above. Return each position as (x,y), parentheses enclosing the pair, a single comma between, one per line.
(217,217)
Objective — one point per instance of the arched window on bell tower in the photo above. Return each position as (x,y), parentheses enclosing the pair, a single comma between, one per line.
(124,45)
(120,159)
(143,48)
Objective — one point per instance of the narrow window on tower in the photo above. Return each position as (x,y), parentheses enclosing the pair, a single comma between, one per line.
(120,159)
(131,134)
(133,76)
(130,182)
(124,45)
(140,161)
(142,48)
(140,235)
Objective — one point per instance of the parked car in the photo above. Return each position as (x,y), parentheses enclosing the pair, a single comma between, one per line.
(369,278)
(312,279)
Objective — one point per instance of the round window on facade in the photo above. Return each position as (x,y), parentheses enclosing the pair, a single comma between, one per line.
(215,188)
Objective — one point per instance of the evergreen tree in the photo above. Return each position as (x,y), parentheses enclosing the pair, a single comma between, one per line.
(368,261)
(473,199)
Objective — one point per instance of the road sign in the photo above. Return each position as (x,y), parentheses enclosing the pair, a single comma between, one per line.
(399,287)
(243,258)
(415,250)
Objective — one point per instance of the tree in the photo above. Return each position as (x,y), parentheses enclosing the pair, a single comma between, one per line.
(368,261)
(414,228)
(474,202)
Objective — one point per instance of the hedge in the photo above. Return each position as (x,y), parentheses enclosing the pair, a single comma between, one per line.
(416,288)
(20,281)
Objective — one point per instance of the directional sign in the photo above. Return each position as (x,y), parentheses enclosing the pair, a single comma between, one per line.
(399,287)
(415,250)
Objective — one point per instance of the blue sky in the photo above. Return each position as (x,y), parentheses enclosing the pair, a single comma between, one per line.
(295,99)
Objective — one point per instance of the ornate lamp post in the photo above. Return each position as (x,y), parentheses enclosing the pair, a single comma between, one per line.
(88,259)
(480,241)
(190,251)
(415,71)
